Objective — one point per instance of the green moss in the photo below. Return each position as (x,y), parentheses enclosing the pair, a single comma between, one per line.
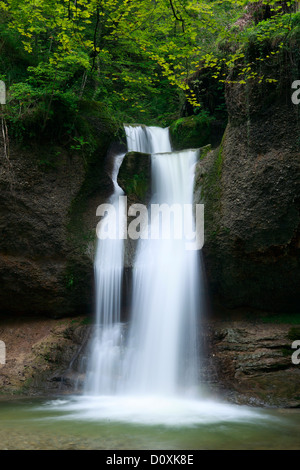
(211,193)
(78,280)
(294,333)
(138,186)
(134,176)
(69,280)
(286,351)
(204,151)
(99,130)
(293,319)
(78,275)
(191,132)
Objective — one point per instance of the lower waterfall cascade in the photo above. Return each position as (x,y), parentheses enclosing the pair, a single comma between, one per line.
(147,371)
(161,354)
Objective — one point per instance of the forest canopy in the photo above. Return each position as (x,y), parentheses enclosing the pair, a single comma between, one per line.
(137,59)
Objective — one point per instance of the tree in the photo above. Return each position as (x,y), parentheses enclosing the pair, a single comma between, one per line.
(129,51)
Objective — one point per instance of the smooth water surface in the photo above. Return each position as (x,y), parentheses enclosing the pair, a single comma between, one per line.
(102,423)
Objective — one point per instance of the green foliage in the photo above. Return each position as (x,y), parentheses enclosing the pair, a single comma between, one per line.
(137,58)
(32,113)
(263,46)
(79,143)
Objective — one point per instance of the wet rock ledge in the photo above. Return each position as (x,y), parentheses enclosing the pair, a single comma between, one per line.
(247,358)
(250,361)
(41,354)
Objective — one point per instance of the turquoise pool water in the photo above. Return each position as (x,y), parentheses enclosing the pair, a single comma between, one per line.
(99,423)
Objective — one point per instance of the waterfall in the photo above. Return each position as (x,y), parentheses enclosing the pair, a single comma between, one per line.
(148,139)
(161,355)
(106,344)
(150,375)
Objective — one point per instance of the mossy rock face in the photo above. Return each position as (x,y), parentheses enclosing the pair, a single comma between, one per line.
(190,132)
(46,263)
(135,177)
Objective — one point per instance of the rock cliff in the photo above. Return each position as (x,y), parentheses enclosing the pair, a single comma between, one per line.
(48,201)
(250,186)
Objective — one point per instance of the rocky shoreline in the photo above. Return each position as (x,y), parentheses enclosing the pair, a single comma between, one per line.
(39,352)
(251,360)
(246,359)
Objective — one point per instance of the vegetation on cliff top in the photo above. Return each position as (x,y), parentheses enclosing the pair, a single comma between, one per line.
(136,60)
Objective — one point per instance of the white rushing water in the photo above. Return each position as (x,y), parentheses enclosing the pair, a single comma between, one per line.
(162,353)
(106,345)
(152,378)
